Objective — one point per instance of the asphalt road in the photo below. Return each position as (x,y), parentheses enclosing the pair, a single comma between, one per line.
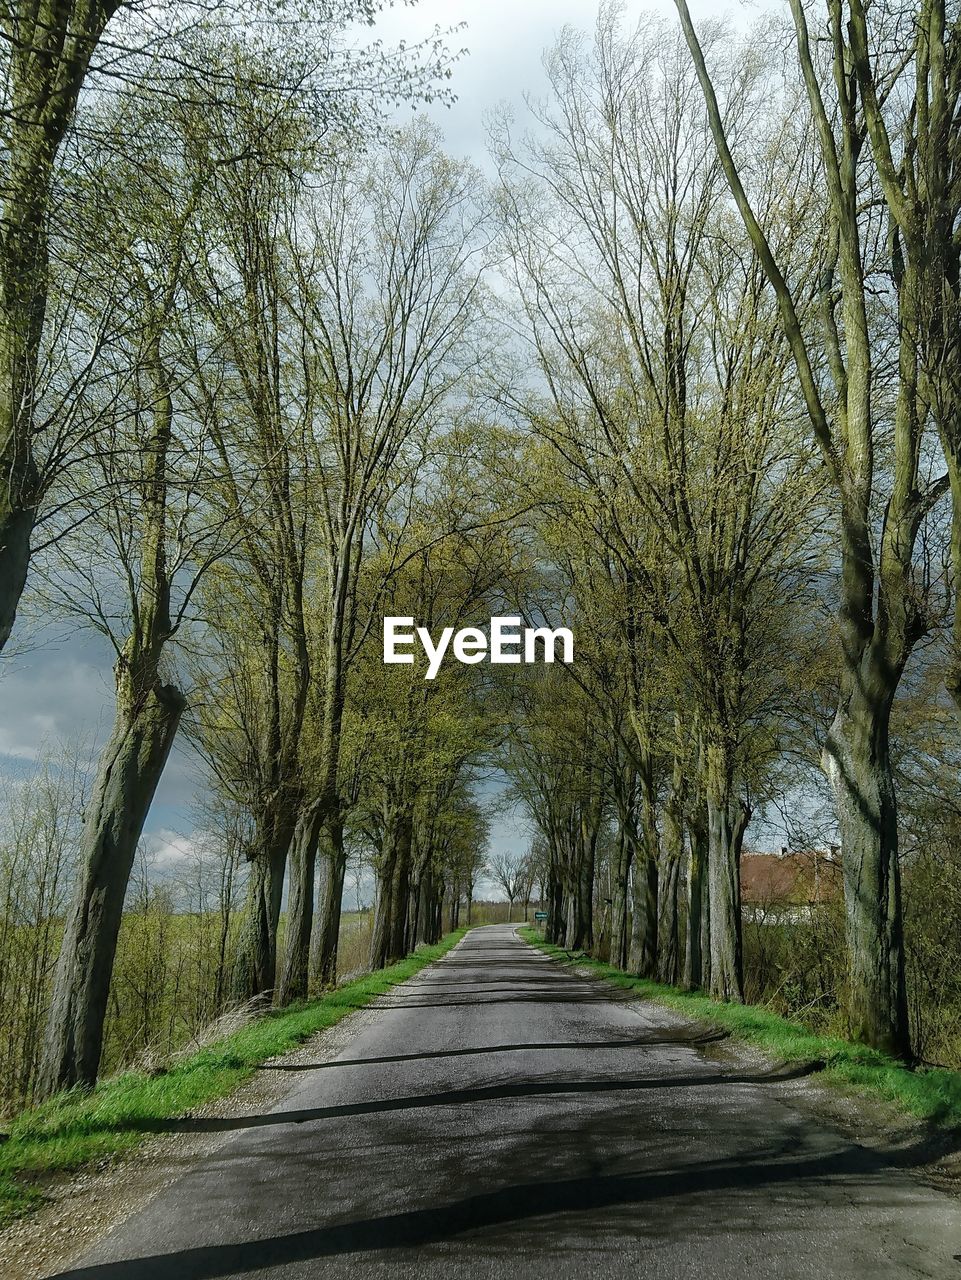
(502,1117)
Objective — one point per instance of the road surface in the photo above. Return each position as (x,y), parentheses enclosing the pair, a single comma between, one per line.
(500,1116)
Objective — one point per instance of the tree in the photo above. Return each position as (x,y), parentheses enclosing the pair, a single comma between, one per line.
(881,616)
(510,869)
(165,452)
(46,52)
(389,279)
(47,55)
(669,415)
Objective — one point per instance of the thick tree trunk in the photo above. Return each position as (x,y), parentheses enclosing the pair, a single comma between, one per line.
(727,819)
(16,528)
(426,928)
(668,932)
(380,935)
(858,766)
(330,895)
(255,964)
(620,882)
(455,896)
(300,906)
(554,929)
(51,54)
(392,871)
(697,943)
(23,286)
(642,954)
(127,778)
(579,931)
(400,891)
(672,851)
(642,957)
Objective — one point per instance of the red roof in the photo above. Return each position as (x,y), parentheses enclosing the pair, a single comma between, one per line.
(801,878)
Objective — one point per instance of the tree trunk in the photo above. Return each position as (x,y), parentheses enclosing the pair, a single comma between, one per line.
(578,930)
(672,851)
(620,881)
(330,895)
(400,891)
(697,944)
(727,820)
(668,933)
(858,767)
(44,77)
(642,958)
(255,965)
(455,906)
(300,906)
(428,915)
(147,718)
(388,884)
(642,955)
(554,929)
(380,935)
(127,778)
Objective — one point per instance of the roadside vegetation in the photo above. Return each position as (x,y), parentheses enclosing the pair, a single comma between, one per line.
(930,1094)
(77,1128)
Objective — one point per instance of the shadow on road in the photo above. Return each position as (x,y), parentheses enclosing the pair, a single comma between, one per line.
(462,1097)
(641,1042)
(478,1213)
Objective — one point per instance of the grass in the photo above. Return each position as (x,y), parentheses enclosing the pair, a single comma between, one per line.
(933,1094)
(78,1128)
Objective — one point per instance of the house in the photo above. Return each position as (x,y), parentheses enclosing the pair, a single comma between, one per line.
(790,886)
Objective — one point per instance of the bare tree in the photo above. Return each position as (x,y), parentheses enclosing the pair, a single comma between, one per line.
(155,528)
(389,276)
(882,613)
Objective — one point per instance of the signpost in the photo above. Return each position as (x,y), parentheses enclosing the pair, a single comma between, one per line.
(540,915)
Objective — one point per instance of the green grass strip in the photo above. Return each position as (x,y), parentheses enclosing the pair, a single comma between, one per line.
(77,1128)
(931,1094)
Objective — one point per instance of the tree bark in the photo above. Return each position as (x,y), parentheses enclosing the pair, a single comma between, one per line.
(48,63)
(255,965)
(698,911)
(127,778)
(642,958)
(330,896)
(620,881)
(858,766)
(727,819)
(400,892)
(672,851)
(554,929)
(300,907)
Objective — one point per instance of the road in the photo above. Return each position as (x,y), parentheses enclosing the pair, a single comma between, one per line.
(500,1116)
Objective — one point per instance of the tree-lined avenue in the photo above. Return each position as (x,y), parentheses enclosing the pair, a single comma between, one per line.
(499,1116)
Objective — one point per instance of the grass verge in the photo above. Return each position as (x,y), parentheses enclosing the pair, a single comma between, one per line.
(77,1128)
(931,1094)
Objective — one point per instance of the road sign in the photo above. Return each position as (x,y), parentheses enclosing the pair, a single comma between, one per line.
(540,915)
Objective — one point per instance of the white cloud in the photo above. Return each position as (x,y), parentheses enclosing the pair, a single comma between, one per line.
(51,698)
(167,850)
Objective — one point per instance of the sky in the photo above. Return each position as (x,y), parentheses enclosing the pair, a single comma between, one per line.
(505,40)
(57,690)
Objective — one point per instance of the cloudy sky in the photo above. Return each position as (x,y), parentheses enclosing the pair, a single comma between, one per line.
(57,690)
(505,39)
